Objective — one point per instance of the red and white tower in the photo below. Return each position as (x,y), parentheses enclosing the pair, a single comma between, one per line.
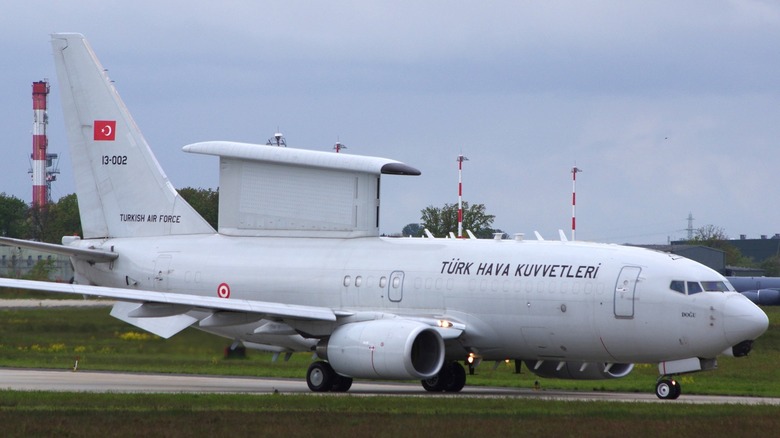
(40,120)
(461,159)
(574,171)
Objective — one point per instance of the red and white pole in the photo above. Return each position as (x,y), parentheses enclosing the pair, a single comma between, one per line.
(574,171)
(461,159)
(40,142)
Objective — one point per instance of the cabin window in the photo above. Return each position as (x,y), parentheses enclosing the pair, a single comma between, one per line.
(678,286)
(694,288)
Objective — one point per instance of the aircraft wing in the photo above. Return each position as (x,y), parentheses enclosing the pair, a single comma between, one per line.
(88,255)
(179,303)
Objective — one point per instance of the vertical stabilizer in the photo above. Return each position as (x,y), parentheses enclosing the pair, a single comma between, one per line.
(121,189)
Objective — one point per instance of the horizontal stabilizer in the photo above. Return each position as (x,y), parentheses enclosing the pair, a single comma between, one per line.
(88,255)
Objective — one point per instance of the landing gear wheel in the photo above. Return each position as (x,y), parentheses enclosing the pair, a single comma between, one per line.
(320,377)
(434,384)
(451,378)
(341,383)
(457,377)
(667,389)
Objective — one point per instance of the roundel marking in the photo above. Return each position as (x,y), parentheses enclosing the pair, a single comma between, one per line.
(223,290)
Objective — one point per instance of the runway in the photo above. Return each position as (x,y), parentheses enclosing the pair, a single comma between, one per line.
(91,381)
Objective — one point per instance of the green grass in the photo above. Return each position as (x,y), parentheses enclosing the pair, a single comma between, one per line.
(55,338)
(74,414)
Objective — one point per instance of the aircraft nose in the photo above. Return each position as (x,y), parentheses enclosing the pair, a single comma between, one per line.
(743,320)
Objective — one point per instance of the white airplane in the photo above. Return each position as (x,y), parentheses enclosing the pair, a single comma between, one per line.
(298,265)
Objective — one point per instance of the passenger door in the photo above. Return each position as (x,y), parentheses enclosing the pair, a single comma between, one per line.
(625,291)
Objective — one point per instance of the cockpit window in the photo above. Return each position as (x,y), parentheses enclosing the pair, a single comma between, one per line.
(715,286)
(694,288)
(678,286)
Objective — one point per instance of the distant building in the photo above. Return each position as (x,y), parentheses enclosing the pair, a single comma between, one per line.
(17,262)
(758,250)
(710,257)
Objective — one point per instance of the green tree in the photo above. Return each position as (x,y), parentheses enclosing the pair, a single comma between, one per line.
(771,266)
(13,217)
(204,201)
(715,237)
(51,223)
(441,221)
(414,230)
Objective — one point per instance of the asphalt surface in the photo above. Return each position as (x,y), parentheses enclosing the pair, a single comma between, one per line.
(91,381)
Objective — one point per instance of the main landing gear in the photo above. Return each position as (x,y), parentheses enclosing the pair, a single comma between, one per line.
(321,378)
(451,378)
(667,388)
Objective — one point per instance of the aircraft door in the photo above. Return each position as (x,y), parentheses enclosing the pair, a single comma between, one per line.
(625,291)
(395,287)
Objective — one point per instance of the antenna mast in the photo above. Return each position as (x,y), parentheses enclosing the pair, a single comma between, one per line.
(44,168)
(461,159)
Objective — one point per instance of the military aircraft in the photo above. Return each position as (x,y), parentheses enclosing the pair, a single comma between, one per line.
(297,264)
(760,290)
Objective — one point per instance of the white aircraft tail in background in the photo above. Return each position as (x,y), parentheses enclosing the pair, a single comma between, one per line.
(298,266)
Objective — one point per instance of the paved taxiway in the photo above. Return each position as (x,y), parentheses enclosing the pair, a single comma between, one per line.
(90,381)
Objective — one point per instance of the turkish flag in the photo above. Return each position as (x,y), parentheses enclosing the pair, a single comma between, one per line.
(105,130)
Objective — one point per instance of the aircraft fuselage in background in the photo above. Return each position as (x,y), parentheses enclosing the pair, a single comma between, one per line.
(760,290)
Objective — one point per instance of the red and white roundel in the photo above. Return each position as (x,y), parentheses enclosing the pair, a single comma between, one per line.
(223,290)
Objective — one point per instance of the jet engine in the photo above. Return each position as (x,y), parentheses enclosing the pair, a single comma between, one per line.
(580,370)
(385,348)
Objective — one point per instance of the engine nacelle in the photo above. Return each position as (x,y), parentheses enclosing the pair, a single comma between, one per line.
(385,349)
(580,370)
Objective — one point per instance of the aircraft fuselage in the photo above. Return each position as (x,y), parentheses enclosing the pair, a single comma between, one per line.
(519,299)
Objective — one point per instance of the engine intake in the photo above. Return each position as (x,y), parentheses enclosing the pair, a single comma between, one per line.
(385,348)
(576,371)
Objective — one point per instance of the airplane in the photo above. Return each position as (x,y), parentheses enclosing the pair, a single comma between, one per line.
(764,291)
(297,265)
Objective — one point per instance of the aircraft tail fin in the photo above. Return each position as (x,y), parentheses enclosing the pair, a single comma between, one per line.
(122,190)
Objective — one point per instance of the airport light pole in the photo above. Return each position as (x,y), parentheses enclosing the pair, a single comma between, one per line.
(574,171)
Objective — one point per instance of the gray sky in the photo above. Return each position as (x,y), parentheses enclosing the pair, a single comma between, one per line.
(669,107)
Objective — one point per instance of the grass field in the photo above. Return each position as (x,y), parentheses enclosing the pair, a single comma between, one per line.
(55,338)
(57,414)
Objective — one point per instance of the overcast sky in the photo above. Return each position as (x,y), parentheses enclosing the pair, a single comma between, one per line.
(668,107)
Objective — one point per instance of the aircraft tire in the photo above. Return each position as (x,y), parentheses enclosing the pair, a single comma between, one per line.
(667,389)
(451,378)
(320,377)
(456,377)
(434,384)
(341,383)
